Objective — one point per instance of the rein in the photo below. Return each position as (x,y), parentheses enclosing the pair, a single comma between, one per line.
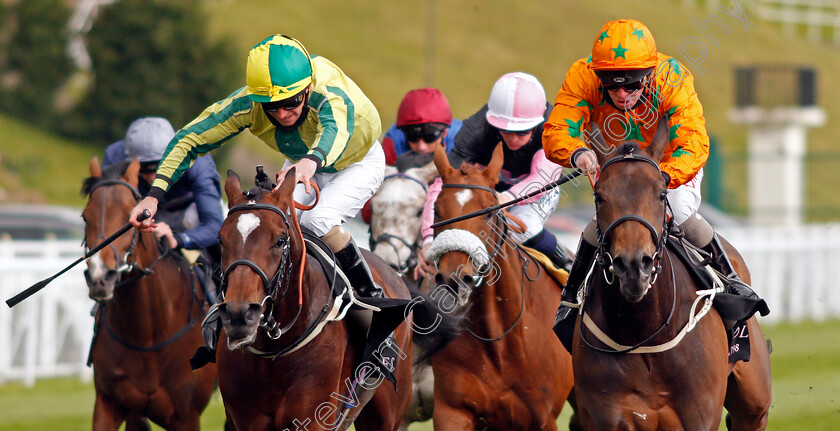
(601,260)
(124,267)
(562,180)
(271,286)
(502,234)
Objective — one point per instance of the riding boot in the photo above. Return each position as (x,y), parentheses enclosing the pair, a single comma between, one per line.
(732,283)
(356,268)
(564,321)
(546,243)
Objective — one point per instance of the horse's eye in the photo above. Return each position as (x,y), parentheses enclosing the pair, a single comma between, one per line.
(221,243)
(663,195)
(281,242)
(598,198)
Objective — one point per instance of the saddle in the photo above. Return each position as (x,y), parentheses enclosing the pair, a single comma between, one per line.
(558,274)
(729,306)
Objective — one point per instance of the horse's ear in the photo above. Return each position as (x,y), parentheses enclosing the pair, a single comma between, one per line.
(602,149)
(95,169)
(427,173)
(495,166)
(233,187)
(286,189)
(660,140)
(442,162)
(132,171)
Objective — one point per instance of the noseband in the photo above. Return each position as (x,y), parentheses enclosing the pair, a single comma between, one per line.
(272,286)
(123,265)
(389,239)
(604,257)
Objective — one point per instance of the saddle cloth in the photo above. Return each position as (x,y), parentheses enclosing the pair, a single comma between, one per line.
(729,306)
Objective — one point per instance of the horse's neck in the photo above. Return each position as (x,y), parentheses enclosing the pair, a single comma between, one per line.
(502,280)
(309,298)
(147,300)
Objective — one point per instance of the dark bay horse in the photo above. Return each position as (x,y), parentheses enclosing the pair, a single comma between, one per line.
(508,371)
(649,353)
(302,375)
(147,321)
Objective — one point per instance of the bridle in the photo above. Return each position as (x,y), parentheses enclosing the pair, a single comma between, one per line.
(501,233)
(603,255)
(270,286)
(387,238)
(122,266)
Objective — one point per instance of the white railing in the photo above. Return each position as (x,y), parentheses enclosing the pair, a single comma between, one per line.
(49,334)
(795,269)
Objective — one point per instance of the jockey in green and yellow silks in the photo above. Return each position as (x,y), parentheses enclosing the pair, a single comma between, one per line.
(314,115)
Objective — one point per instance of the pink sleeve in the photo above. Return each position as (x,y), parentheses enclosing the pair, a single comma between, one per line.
(428,217)
(543,171)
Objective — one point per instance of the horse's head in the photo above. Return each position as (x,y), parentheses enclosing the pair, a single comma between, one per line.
(111,196)
(258,244)
(395,218)
(630,200)
(463,250)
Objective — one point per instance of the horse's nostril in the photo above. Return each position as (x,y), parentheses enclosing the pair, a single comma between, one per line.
(439,279)
(224,314)
(468,280)
(647,264)
(619,265)
(253,313)
(110,276)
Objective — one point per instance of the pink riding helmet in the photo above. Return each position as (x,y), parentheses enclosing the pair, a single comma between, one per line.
(517,102)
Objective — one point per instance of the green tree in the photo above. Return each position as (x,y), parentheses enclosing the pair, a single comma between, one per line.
(151,58)
(35,64)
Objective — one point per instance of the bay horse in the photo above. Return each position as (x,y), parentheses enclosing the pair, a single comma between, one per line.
(508,370)
(395,237)
(303,374)
(648,354)
(150,304)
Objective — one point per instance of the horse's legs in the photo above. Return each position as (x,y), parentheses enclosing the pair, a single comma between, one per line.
(136,422)
(748,392)
(107,415)
(450,419)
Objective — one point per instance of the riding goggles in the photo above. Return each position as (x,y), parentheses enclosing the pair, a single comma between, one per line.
(149,167)
(286,104)
(428,132)
(516,132)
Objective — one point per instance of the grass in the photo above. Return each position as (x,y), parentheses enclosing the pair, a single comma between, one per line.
(806,389)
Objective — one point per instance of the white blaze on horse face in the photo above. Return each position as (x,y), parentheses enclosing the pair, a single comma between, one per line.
(246,224)
(96,268)
(463,197)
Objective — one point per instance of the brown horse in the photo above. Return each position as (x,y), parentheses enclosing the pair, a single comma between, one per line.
(648,355)
(303,374)
(508,371)
(150,303)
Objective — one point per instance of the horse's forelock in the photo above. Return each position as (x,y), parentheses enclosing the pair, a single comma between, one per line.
(628,148)
(112,172)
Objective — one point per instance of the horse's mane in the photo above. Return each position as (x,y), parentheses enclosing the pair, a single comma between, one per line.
(112,172)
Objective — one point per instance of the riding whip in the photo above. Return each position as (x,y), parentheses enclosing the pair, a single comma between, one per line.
(31,290)
(560,181)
